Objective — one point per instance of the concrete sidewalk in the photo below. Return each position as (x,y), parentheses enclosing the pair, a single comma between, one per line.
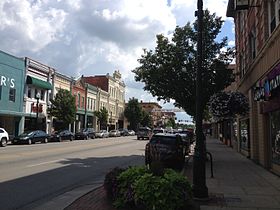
(239,183)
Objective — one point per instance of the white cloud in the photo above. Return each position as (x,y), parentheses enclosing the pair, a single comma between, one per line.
(93,37)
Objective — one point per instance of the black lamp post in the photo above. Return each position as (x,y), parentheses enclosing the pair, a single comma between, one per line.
(37,108)
(200,189)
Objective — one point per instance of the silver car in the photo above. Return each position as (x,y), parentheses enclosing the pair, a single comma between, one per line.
(102,134)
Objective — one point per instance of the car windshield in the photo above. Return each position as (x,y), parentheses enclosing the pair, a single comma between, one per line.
(166,140)
(27,133)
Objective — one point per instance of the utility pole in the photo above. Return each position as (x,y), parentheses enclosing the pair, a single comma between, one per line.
(200,189)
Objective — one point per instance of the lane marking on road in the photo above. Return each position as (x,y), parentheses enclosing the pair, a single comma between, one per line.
(44,163)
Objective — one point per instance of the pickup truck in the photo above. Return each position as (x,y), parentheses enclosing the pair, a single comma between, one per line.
(4,137)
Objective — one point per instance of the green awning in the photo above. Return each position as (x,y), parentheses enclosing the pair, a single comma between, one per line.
(38,83)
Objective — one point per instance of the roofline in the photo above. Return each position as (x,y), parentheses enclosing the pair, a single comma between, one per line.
(230,9)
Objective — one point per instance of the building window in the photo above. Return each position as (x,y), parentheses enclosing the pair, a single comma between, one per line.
(29,92)
(252,44)
(12,94)
(244,134)
(274,14)
(83,101)
(42,95)
(79,99)
(35,94)
(275,136)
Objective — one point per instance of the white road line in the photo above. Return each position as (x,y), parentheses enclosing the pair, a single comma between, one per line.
(43,163)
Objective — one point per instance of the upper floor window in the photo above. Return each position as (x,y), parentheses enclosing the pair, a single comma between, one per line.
(252,44)
(42,95)
(79,99)
(274,16)
(28,92)
(12,94)
(83,101)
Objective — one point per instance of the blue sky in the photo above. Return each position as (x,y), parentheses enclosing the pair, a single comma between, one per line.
(94,37)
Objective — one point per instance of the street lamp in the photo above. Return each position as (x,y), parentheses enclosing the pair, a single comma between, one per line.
(200,189)
(38,96)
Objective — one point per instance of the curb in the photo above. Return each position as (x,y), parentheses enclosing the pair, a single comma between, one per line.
(64,200)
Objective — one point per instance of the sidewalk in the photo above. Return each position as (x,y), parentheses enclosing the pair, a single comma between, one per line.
(238,184)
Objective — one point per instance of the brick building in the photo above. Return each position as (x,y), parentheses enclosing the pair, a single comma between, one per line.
(257,35)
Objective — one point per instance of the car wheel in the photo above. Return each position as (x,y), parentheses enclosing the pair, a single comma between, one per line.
(3,142)
(45,141)
(138,138)
(71,138)
(60,139)
(86,138)
(29,141)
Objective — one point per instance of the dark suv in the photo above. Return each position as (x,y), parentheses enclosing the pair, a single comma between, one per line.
(170,149)
(85,133)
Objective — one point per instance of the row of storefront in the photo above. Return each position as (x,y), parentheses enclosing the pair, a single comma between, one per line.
(27,86)
(256,135)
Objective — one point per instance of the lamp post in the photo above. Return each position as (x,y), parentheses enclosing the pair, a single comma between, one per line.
(38,96)
(200,189)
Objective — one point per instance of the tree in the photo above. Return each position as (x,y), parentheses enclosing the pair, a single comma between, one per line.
(102,117)
(169,71)
(63,107)
(146,119)
(171,123)
(226,105)
(133,113)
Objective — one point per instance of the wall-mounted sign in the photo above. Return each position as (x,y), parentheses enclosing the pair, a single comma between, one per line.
(7,82)
(266,88)
(241,4)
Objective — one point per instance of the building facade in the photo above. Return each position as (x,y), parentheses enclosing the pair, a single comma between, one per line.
(38,90)
(114,88)
(257,35)
(154,109)
(64,82)
(79,92)
(91,106)
(12,81)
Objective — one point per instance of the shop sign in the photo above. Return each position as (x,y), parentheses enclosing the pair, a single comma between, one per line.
(264,89)
(6,81)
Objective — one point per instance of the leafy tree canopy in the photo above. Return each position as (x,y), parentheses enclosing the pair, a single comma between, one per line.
(146,119)
(63,107)
(169,72)
(102,117)
(133,113)
(226,105)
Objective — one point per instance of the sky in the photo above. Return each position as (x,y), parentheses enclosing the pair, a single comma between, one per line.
(96,37)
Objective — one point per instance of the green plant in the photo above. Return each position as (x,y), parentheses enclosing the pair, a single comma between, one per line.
(171,191)
(110,182)
(126,179)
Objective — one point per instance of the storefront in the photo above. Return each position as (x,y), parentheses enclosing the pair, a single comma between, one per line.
(12,73)
(267,94)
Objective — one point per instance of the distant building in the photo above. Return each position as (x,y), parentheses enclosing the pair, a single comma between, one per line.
(115,87)
(154,109)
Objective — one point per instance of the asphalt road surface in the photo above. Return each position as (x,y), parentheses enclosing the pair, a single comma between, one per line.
(33,174)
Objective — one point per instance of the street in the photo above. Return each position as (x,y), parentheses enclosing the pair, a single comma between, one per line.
(33,174)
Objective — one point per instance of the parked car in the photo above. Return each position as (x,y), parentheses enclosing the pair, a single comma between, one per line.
(62,135)
(102,134)
(4,137)
(169,149)
(31,137)
(144,133)
(114,133)
(123,132)
(131,132)
(158,130)
(85,133)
